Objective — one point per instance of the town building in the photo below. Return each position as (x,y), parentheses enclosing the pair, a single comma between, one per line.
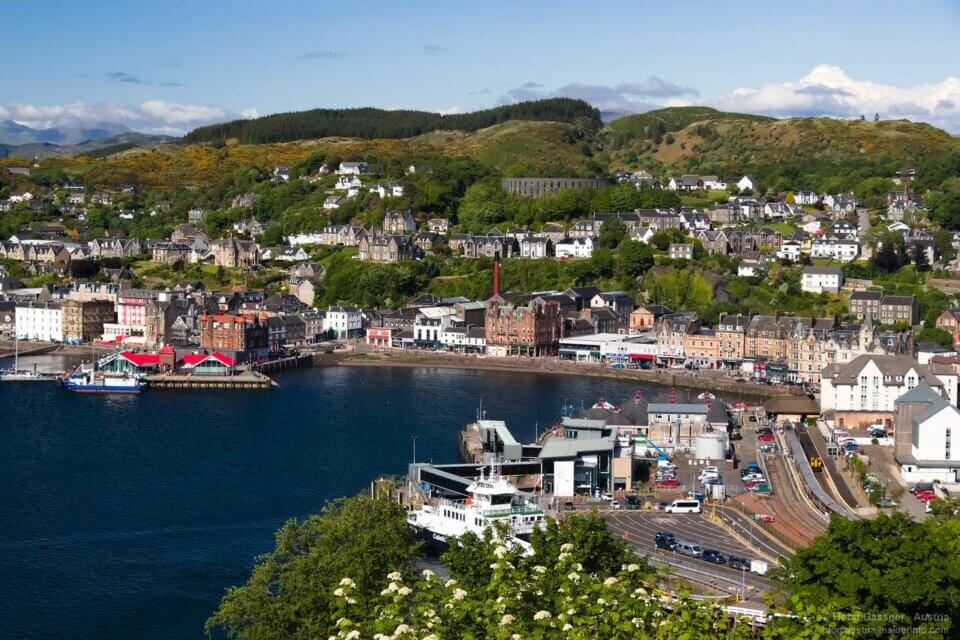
(886,309)
(532,328)
(388,248)
(243,336)
(574,248)
(343,322)
(40,321)
(83,320)
(821,279)
(864,392)
(536,187)
(680,251)
(399,223)
(924,425)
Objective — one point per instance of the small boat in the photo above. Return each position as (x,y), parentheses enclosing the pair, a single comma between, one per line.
(27,375)
(85,381)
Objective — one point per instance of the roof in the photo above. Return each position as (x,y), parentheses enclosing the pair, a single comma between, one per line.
(680,407)
(866,295)
(825,271)
(141,359)
(194,359)
(569,448)
(798,405)
(889,365)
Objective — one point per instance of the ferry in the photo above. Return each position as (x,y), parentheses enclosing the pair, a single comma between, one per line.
(87,381)
(492,500)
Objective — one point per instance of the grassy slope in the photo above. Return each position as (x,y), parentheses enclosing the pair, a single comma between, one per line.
(517,147)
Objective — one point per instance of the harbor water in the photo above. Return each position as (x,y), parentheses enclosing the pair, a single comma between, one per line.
(128,516)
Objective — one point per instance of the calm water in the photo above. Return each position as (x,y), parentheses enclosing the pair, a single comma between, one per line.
(127,517)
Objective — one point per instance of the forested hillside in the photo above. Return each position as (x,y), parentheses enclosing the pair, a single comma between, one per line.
(372,123)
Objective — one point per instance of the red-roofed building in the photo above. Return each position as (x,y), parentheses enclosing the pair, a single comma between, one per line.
(217,364)
(130,362)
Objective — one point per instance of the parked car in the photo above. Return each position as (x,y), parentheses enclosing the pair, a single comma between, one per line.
(714,556)
(568,506)
(766,437)
(738,563)
(669,483)
(688,548)
(877,432)
(615,505)
(633,502)
(665,540)
(606,496)
(752,477)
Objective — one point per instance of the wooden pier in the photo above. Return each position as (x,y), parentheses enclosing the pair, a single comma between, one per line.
(246,381)
(298,361)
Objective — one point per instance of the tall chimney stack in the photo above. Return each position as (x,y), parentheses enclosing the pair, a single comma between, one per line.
(496,276)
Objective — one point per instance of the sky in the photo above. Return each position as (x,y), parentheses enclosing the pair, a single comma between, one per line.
(168,66)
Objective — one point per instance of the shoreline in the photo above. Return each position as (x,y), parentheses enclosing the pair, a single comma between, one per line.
(659,377)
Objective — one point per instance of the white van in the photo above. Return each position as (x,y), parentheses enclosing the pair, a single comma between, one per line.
(683,506)
(688,548)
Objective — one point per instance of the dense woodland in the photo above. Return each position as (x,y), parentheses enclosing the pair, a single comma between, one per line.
(379,123)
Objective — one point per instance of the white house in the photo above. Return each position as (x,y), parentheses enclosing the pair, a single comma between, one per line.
(843,250)
(535,247)
(806,198)
(752,267)
(575,248)
(343,322)
(713,183)
(332,202)
(821,279)
(789,250)
(301,239)
(924,426)
(347,182)
(746,182)
(42,321)
(430,325)
(353,168)
(680,251)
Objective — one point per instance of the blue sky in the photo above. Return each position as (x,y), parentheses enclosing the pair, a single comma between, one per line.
(167,66)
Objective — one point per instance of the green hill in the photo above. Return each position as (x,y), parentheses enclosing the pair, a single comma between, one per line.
(700,139)
(372,123)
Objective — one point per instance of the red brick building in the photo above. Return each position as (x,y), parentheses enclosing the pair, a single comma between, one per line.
(531,329)
(245,336)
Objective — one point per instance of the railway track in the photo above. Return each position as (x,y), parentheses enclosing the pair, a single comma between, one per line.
(790,507)
(837,489)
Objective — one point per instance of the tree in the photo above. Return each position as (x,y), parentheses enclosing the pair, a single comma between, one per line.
(290,592)
(664,238)
(611,233)
(634,259)
(938,336)
(888,566)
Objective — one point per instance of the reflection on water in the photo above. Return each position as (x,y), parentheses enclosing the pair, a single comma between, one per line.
(46,362)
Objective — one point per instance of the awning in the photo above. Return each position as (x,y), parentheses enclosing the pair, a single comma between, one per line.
(642,356)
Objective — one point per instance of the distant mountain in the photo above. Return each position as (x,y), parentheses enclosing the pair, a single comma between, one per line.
(14,133)
(101,146)
(369,123)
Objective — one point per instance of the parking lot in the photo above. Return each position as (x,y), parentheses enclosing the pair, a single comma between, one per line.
(640,527)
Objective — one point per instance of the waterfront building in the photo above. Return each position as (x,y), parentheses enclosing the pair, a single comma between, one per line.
(83,320)
(243,336)
(532,329)
(343,322)
(41,321)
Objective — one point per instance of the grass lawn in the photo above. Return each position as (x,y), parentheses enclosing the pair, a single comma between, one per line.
(784,228)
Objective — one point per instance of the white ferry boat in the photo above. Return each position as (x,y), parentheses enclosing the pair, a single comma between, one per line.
(492,500)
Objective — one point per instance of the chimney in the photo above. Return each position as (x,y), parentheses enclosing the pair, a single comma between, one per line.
(496,276)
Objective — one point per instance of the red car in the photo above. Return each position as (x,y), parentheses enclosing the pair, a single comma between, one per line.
(766,437)
(669,483)
(925,496)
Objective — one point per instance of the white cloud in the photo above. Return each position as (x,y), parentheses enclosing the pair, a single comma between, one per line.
(828,91)
(249,113)
(152,116)
(652,93)
(450,111)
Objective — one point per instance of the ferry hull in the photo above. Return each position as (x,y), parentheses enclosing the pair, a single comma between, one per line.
(100,389)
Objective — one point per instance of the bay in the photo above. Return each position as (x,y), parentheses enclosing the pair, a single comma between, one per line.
(128,516)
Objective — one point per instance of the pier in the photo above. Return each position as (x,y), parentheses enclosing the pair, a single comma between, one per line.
(246,381)
(299,361)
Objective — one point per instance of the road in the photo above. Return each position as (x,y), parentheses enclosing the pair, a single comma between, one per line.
(640,527)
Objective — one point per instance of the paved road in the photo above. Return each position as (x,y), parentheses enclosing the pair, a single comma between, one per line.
(639,528)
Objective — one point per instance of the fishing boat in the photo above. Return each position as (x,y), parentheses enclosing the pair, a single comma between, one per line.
(491,501)
(93,381)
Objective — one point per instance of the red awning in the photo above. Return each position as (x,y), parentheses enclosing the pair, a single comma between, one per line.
(642,356)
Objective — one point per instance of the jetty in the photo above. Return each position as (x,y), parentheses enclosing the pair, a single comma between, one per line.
(244,381)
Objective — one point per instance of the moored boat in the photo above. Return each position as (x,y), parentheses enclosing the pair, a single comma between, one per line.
(81,381)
